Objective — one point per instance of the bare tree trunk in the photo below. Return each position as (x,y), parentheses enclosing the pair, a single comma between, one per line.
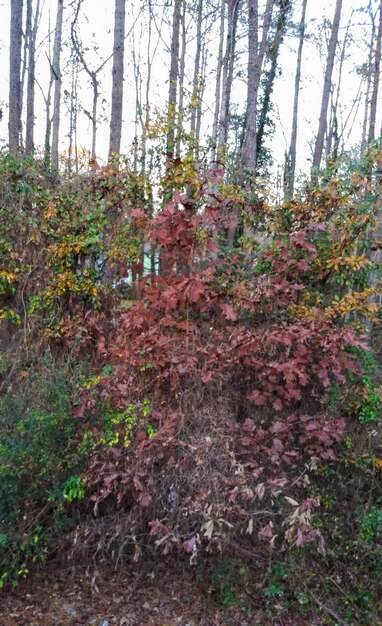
(182,65)
(15,106)
(117,88)
(29,135)
(368,84)
(249,147)
(73,111)
(218,81)
(319,145)
(200,98)
(291,158)
(228,66)
(334,133)
(173,80)
(57,81)
(274,49)
(196,81)
(377,67)
(256,56)
(24,61)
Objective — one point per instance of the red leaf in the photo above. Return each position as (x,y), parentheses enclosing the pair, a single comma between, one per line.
(257,398)
(277,405)
(278,427)
(267,531)
(144,498)
(190,545)
(228,312)
(207,376)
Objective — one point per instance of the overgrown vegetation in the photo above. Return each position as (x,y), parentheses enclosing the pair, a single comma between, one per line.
(169,388)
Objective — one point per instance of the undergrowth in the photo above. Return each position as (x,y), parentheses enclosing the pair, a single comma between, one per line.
(223,402)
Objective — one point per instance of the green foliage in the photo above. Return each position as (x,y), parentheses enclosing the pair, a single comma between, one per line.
(236,382)
(370,524)
(38,454)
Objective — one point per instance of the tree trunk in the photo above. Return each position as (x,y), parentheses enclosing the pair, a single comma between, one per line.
(376,72)
(173,80)
(228,65)
(218,82)
(319,145)
(57,80)
(368,84)
(30,118)
(256,56)
(281,25)
(291,158)
(117,88)
(249,147)
(182,66)
(196,81)
(16,33)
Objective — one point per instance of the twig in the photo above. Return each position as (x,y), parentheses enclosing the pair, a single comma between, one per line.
(328,610)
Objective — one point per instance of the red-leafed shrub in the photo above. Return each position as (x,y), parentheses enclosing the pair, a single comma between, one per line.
(210,394)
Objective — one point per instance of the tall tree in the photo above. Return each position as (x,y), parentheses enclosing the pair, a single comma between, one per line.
(256,54)
(196,80)
(290,169)
(368,72)
(15,105)
(376,76)
(57,81)
(30,34)
(173,80)
(320,138)
(219,68)
(227,71)
(333,134)
(117,87)
(273,56)
(181,76)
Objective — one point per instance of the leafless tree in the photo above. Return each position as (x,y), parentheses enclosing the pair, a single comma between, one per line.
(290,170)
(219,67)
(117,88)
(173,79)
(15,105)
(32,23)
(376,76)
(256,54)
(227,71)
(320,138)
(57,81)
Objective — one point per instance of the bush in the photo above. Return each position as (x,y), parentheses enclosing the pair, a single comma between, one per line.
(38,458)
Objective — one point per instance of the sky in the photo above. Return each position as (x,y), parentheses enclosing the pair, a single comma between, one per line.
(96,31)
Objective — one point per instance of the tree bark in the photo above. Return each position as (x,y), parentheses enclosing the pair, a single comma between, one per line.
(256,56)
(219,68)
(57,81)
(281,26)
(319,144)
(31,80)
(117,88)
(376,73)
(15,105)
(182,67)
(173,80)
(196,80)
(368,84)
(292,153)
(227,77)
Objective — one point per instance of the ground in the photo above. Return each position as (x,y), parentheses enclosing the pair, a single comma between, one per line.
(76,597)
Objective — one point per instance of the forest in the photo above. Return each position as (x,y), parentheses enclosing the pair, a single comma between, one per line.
(190,313)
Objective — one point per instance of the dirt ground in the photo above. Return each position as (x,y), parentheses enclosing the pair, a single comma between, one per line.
(76,597)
